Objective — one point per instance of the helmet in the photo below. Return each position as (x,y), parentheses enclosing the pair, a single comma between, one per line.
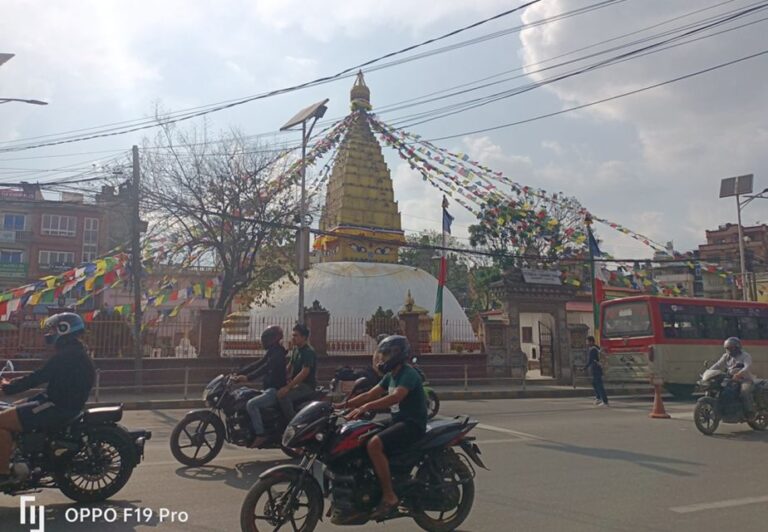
(395,350)
(732,346)
(62,325)
(271,336)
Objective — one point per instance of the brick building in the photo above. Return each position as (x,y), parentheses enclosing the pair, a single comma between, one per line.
(40,236)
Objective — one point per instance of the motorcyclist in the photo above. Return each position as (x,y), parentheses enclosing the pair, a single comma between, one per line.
(402,392)
(70,375)
(737,363)
(272,368)
(302,367)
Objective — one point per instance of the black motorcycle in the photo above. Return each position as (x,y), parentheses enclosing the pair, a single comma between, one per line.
(721,402)
(89,458)
(367,378)
(199,436)
(435,483)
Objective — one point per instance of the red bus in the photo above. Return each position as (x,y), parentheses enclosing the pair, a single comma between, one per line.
(672,337)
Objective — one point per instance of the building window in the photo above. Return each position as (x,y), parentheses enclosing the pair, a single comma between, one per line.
(527,335)
(11,256)
(14,222)
(57,225)
(56,259)
(91,239)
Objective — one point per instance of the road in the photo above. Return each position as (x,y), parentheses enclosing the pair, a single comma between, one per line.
(556,464)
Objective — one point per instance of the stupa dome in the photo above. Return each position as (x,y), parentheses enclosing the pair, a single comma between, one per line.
(355,290)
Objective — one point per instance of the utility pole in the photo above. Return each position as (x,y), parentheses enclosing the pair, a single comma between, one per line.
(742,261)
(136,267)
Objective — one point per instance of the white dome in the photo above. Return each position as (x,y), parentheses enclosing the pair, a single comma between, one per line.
(354,290)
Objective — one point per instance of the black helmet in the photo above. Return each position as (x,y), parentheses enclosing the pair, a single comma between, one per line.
(61,326)
(395,350)
(732,346)
(271,336)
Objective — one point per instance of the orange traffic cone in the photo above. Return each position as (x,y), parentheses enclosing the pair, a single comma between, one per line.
(658,411)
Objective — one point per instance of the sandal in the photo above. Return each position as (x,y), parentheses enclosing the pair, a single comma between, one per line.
(383,510)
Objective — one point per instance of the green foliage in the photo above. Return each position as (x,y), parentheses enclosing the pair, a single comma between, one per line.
(382,322)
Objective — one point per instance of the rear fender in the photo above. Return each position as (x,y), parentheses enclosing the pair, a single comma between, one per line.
(140,438)
(469,446)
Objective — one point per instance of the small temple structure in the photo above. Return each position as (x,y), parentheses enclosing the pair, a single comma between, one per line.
(355,270)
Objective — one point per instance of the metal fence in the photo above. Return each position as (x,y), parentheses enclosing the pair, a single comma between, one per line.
(109,337)
(346,335)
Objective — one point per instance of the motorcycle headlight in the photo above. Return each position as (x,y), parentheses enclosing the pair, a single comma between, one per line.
(288,435)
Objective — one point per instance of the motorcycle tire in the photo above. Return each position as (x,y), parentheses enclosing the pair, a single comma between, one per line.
(760,422)
(433,404)
(456,467)
(252,506)
(110,443)
(706,416)
(210,424)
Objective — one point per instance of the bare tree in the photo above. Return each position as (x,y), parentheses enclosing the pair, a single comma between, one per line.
(223,201)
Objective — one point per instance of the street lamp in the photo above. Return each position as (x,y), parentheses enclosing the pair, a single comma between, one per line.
(310,114)
(21,100)
(741,186)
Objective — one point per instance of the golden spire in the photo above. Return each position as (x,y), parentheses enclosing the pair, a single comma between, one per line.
(360,95)
(360,200)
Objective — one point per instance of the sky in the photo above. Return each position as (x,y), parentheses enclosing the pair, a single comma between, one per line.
(652,161)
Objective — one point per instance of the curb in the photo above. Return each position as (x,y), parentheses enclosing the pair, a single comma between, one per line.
(451,395)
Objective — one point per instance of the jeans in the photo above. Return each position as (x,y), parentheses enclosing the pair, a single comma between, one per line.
(302,391)
(265,400)
(746,397)
(597,384)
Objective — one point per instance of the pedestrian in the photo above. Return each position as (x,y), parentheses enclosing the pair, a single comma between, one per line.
(593,364)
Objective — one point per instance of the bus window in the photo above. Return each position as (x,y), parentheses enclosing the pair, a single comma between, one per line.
(628,319)
(749,328)
(677,325)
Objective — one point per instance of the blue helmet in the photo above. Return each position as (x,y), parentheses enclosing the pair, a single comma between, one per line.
(62,325)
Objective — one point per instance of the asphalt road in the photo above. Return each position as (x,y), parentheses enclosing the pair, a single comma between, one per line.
(556,464)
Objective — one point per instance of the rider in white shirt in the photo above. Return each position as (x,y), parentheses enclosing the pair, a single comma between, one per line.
(737,363)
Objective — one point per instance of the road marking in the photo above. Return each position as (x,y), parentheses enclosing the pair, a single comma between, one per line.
(491,442)
(718,504)
(502,430)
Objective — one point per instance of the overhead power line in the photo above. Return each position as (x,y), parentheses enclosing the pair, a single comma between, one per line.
(604,100)
(18,145)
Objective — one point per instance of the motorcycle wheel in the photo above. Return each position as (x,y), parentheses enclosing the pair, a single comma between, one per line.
(705,416)
(453,469)
(760,422)
(100,468)
(269,505)
(433,404)
(197,432)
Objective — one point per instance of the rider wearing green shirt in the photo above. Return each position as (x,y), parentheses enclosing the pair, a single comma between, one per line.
(402,392)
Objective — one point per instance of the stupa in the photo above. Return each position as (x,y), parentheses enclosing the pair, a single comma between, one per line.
(356,270)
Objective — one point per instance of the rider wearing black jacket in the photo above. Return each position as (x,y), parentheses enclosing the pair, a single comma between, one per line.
(70,375)
(273,368)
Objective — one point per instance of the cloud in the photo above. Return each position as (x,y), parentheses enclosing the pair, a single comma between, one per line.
(688,135)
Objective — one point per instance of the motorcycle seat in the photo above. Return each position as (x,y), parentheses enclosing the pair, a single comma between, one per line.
(103,414)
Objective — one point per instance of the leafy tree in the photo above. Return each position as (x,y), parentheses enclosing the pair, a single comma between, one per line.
(382,322)
(531,227)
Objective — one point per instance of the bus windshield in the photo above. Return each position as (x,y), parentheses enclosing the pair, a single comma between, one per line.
(627,319)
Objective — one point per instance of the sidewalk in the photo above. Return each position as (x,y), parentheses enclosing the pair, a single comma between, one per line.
(536,389)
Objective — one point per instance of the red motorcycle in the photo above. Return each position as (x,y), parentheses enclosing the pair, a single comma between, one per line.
(434,481)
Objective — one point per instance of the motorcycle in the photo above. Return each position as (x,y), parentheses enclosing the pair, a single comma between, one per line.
(721,402)
(371,379)
(226,419)
(434,482)
(89,458)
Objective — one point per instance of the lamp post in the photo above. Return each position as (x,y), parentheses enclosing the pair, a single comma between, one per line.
(21,100)
(310,114)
